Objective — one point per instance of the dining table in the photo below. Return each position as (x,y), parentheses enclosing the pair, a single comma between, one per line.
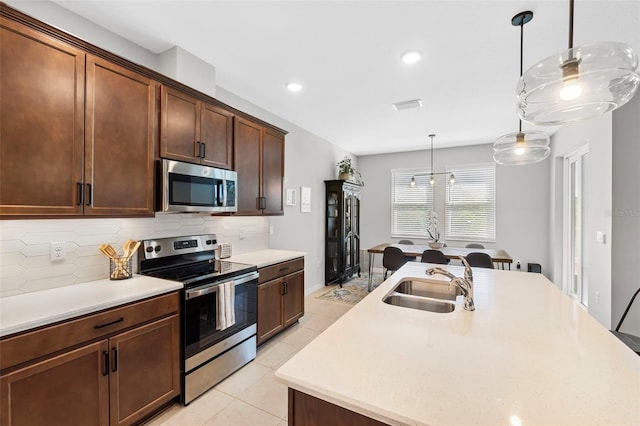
(497,255)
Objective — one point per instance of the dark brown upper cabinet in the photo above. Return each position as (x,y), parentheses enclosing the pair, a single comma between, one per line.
(259,162)
(195,131)
(62,155)
(41,123)
(119,141)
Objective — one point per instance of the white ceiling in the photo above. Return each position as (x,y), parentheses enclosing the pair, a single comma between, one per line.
(346,54)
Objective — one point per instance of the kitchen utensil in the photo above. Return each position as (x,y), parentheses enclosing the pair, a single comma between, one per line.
(108,251)
(129,248)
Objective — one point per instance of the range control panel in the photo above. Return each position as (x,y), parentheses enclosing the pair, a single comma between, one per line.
(178,245)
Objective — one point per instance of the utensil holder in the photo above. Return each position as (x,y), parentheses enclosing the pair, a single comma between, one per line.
(120,268)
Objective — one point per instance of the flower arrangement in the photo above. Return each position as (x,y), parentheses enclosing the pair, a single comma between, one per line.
(346,171)
(432,229)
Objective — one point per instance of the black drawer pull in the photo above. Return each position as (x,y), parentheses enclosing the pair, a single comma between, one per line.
(283,269)
(115,359)
(89,194)
(105,365)
(80,194)
(109,323)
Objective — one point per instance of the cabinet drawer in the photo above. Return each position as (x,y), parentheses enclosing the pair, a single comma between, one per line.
(278,270)
(38,343)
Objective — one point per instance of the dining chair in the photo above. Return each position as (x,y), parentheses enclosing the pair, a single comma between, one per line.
(474,245)
(434,256)
(409,258)
(630,340)
(481,260)
(392,259)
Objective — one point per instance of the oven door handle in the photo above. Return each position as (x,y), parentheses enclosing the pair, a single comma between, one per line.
(213,287)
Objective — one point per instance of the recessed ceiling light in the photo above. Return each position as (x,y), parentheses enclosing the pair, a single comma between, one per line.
(411,57)
(294,87)
(415,103)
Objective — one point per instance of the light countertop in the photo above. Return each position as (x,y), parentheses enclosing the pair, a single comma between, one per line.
(29,310)
(266,257)
(527,355)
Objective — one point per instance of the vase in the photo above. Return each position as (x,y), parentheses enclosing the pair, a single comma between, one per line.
(344,176)
(436,246)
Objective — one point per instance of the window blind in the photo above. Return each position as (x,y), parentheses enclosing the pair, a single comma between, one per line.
(470,212)
(410,205)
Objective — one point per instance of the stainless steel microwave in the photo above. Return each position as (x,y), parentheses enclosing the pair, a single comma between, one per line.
(185,187)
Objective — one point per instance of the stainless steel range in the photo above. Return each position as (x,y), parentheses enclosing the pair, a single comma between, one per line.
(219,308)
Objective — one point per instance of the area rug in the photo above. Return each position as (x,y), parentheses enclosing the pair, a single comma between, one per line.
(352,291)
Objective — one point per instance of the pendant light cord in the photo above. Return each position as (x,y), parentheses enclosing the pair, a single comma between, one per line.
(570,24)
(521,49)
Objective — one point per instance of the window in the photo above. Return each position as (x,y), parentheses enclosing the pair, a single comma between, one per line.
(410,205)
(470,212)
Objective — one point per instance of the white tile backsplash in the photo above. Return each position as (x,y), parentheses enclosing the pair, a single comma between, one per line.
(25,265)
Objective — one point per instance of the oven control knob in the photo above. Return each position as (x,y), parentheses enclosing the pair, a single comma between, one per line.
(209,242)
(158,248)
(149,249)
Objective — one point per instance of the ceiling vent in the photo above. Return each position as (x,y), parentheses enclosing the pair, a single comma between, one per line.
(415,103)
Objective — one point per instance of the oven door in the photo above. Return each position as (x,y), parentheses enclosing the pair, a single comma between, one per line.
(201,325)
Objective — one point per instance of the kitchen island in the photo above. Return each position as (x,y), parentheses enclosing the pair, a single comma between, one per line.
(527,355)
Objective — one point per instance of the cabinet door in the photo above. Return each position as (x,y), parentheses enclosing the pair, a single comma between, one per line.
(269,309)
(293,298)
(41,123)
(355,230)
(272,171)
(216,131)
(248,160)
(69,389)
(119,141)
(179,126)
(145,369)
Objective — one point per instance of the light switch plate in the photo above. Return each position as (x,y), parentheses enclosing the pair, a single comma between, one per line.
(600,237)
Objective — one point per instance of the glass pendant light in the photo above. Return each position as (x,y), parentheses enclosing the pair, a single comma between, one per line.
(577,84)
(519,148)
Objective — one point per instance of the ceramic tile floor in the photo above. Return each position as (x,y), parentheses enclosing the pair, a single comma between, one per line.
(252,396)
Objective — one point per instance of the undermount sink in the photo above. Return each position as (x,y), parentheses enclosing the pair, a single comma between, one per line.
(436,289)
(421,303)
(424,294)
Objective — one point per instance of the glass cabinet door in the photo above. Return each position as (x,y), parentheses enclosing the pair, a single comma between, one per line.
(348,208)
(355,229)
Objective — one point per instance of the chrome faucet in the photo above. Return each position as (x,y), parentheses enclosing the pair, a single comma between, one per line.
(465,284)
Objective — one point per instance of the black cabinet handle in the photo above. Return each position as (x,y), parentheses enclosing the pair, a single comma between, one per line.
(80,194)
(89,194)
(285,288)
(204,150)
(105,365)
(263,203)
(109,323)
(114,367)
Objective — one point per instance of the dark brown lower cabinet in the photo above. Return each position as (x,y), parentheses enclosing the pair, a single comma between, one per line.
(118,380)
(69,389)
(280,297)
(307,410)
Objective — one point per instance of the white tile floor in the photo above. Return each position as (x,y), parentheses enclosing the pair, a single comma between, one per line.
(252,396)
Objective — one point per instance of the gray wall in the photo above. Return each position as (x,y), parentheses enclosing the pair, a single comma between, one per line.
(522,195)
(597,134)
(625,238)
